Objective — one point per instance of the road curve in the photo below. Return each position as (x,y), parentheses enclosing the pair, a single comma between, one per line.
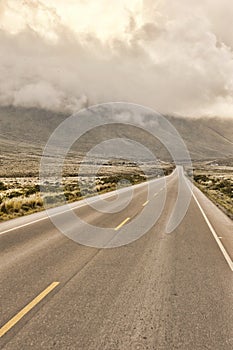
(160,292)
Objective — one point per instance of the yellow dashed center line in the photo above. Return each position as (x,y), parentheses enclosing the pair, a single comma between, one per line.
(122,224)
(27,308)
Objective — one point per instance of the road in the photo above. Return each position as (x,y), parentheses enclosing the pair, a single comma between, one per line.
(162,291)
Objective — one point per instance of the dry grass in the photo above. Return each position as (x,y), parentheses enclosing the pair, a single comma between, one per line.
(21,196)
(19,206)
(218,186)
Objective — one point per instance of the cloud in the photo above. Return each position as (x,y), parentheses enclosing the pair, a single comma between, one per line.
(173,57)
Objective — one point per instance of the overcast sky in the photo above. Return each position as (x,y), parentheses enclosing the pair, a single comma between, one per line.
(174,56)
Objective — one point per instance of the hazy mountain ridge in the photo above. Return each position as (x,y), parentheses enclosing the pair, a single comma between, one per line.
(206,138)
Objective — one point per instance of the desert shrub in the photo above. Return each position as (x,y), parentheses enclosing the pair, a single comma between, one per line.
(224,186)
(77,194)
(20,205)
(2,186)
(70,187)
(32,190)
(228,190)
(14,194)
(69,195)
(49,199)
(221,184)
(167,172)
(49,188)
(53,199)
(86,191)
(3,208)
(200,178)
(26,207)
(98,188)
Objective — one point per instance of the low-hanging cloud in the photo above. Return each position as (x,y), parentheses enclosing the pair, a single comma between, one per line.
(176,57)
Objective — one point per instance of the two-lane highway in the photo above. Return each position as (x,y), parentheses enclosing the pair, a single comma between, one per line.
(162,291)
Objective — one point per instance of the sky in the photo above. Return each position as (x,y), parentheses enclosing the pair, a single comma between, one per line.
(63,55)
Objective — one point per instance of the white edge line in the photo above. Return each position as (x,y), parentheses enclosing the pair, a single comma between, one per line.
(24,225)
(223,250)
(80,205)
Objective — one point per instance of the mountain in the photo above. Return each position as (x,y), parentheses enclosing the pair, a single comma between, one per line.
(24,133)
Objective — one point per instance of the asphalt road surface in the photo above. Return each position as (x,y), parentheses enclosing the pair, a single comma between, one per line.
(162,291)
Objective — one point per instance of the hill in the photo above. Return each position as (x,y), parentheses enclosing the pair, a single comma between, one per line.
(24,133)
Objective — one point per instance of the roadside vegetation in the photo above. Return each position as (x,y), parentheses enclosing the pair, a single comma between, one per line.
(21,196)
(218,186)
